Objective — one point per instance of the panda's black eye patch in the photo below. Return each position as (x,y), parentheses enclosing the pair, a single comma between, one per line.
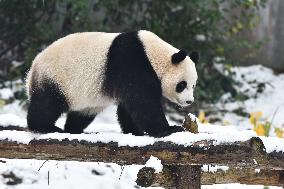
(181,86)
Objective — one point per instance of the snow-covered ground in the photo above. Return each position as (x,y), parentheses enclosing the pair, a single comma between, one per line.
(63,174)
(270,101)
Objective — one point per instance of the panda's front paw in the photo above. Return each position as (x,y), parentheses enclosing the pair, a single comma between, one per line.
(170,130)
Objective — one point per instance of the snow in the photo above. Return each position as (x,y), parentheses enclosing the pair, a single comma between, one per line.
(272,99)
(6,93)
(12,119)
(21,137)
(212,168)
(236,186)
(192,117)
(270,102)
(63,174)
(227,134)
(13,108)
(87,175)
(155,163)
(71,174)
(105,128)
(200,37)
(273,144)
(104,137)
(219,135)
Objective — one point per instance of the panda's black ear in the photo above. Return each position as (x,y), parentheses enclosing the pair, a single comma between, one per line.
(178,57)
(194,56)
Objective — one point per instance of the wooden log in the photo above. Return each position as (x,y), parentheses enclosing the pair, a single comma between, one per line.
(245,176)
(276,159)
(178,176)
(188,176)
(147,177)
(190,125)
(168,178)
(250,152)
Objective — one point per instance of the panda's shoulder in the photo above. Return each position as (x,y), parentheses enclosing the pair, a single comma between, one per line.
(146,32)
(146,35)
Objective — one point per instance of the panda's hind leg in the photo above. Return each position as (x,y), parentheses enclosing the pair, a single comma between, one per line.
(47,103)
(76,122)
(126,122)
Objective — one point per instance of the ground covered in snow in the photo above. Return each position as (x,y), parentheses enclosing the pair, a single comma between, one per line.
(21,174)
(265,92)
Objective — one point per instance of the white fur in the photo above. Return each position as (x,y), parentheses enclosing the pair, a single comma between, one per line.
(159,53)
(86,53)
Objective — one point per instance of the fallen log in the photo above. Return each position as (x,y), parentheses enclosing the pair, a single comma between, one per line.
(168,177)
(251,152)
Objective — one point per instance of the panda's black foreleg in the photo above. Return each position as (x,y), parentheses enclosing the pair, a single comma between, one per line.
(76,122)
(46,105)
(149,116)
(126,123)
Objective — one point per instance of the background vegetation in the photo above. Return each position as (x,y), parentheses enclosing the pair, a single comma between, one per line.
(214,27)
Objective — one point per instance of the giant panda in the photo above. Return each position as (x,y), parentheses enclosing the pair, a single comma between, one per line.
(83,73)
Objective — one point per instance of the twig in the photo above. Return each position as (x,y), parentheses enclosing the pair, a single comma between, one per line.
(122,168)
(47,177)
(42,165)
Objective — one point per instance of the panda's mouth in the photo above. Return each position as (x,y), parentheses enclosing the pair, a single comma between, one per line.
(183,104)
(179,103)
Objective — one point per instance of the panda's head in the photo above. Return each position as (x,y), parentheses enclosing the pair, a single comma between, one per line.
(179,81)
(175,69)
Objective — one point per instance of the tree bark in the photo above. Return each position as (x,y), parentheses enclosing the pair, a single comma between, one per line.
(170,177)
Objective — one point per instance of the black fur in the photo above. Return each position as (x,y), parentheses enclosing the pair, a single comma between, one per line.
(178,57)
(130,78)
(47,103)
(76,122)
(194,56)
(126,122)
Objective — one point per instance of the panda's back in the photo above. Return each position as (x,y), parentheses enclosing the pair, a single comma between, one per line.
(76,63)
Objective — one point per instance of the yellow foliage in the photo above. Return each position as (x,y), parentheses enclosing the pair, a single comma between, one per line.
(226,122)
(259,129)
(279,132)
(206,121)
(202,118)
(255,117)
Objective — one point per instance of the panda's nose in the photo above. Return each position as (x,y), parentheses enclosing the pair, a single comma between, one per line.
(188,102)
